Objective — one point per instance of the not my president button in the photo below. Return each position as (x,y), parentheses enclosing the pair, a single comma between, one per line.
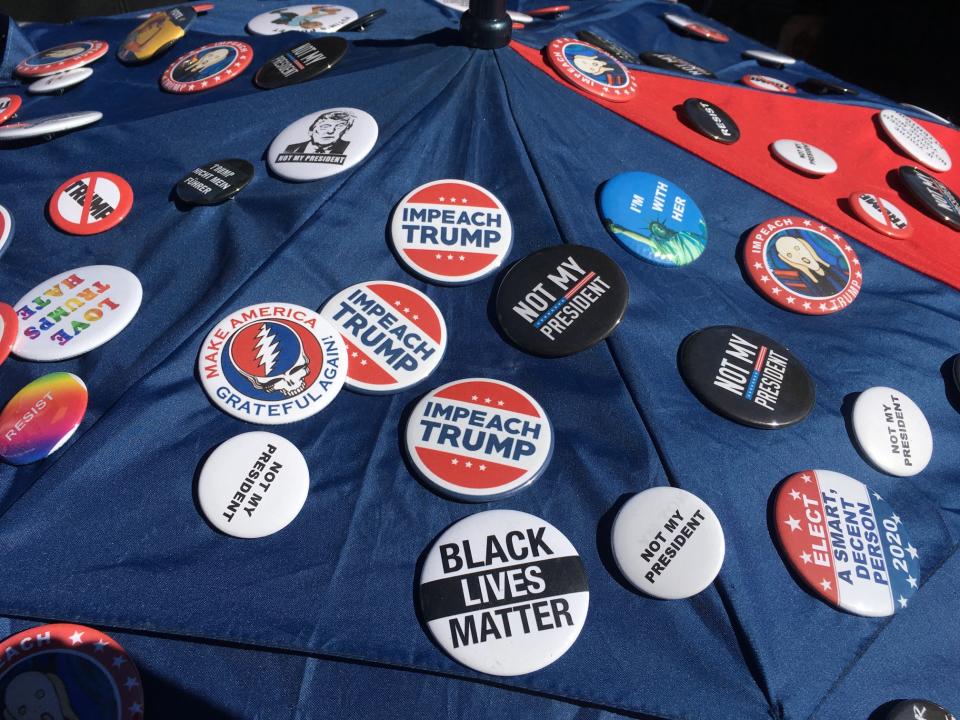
(504,592)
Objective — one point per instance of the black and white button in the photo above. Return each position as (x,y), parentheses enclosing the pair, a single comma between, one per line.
(322,144)
(804,157)
(60,81)
(935,198)
(215,182)
(892,431)
(915,140)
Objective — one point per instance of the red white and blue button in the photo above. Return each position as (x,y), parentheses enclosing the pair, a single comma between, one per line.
(9,104)
(62,57)
(591,69)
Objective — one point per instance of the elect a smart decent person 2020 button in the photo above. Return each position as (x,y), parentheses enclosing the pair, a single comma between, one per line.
(504,592)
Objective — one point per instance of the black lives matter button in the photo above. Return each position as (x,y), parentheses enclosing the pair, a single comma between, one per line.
(561,300)
(300,63)
(746,377)
(504,592)
(711,120)
(215,182)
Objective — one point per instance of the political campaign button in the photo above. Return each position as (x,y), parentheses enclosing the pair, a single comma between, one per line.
(38,420)
(667,543)
(452,232)
(928,113)
(207,67)
(825,87)
(653,218)
(322,144)
(273,363)
(156,34)
(394,334)
(561,300)
(62,57)
(769,57)
(58,82)
(846,543)
(304,61)
(9,104)
(802,265)
(76,311)
(503,592)
(711,120)
(892,431)
(253,485)
(917,710)
(478,439)
(935,198)
(63,672)
(9,326)
(608,46)
(590,68)
(215,182)
(695,29)
(666,61)
(770,84)
(804,157)
(519,17)
(6,229)
(302,18)
(49,125)
(361,23)
(915,140)
(746,377)
(551,12)
(90,203)
(880,214)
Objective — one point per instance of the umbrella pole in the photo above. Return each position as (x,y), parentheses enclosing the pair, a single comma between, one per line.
(486,24)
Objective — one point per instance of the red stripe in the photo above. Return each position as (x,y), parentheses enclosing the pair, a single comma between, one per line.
(576,288)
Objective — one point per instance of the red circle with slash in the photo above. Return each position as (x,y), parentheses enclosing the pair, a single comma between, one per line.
(90,203)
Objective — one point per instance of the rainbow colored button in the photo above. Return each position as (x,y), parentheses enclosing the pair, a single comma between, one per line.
(40,418)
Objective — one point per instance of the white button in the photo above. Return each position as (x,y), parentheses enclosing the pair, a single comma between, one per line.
(302,18)
(322,144)
(892,431)
(915,140)
(59,81)
(803,156)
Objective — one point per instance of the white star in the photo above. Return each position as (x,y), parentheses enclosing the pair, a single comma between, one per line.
(486,400)
(354,354)
(794,494)
(468,464)
(130,683)
(896,518)
(462,258)
(902,600)
(396,303)
(499,403)
(912,581)
(100,645)
(136,709)
(449,257)
(790,301)
(856,261)
(859,275)
(764,278)
(826,585)
(823,306)
(877,495)
(806,478)
(482,468)
(415,317)
(807,223)
(474,397)
(454,461)
(806,557)
(119,660)
(845,247)
(77,637)
(806,306)
(406,311)
(792,522)
(463,200)
(363,362)
(757,265)
(441,198)
(776,291)
(439,256)
(912,550)
(822,227)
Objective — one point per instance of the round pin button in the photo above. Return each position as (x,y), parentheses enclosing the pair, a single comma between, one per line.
(253,485)
(66,671)
(653,218)
(90,203)
(62,57)
(846,543)
(804,157)
(802,265)
(304,61)
(928,113)
(917,710)
(551,12)
(880,214)
(9,104)
(666,61)
(915,140)
(302,18)
(75,312)
(503,592)
(769,57)
(824,87)
(48,126)
(215,182)
(667,543)
(156,34)
(479,439)
(38,420)
(394,334)
(770,84)
(561,300)
(273,363)
(746,377)
(59,81)
(608,46)
(207,67)
(935,198)
(9,326)
(452,232)
(591,69)
(322,144)
(711,121)
(363,22)
(892,431)
(695,29)
(6,229)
